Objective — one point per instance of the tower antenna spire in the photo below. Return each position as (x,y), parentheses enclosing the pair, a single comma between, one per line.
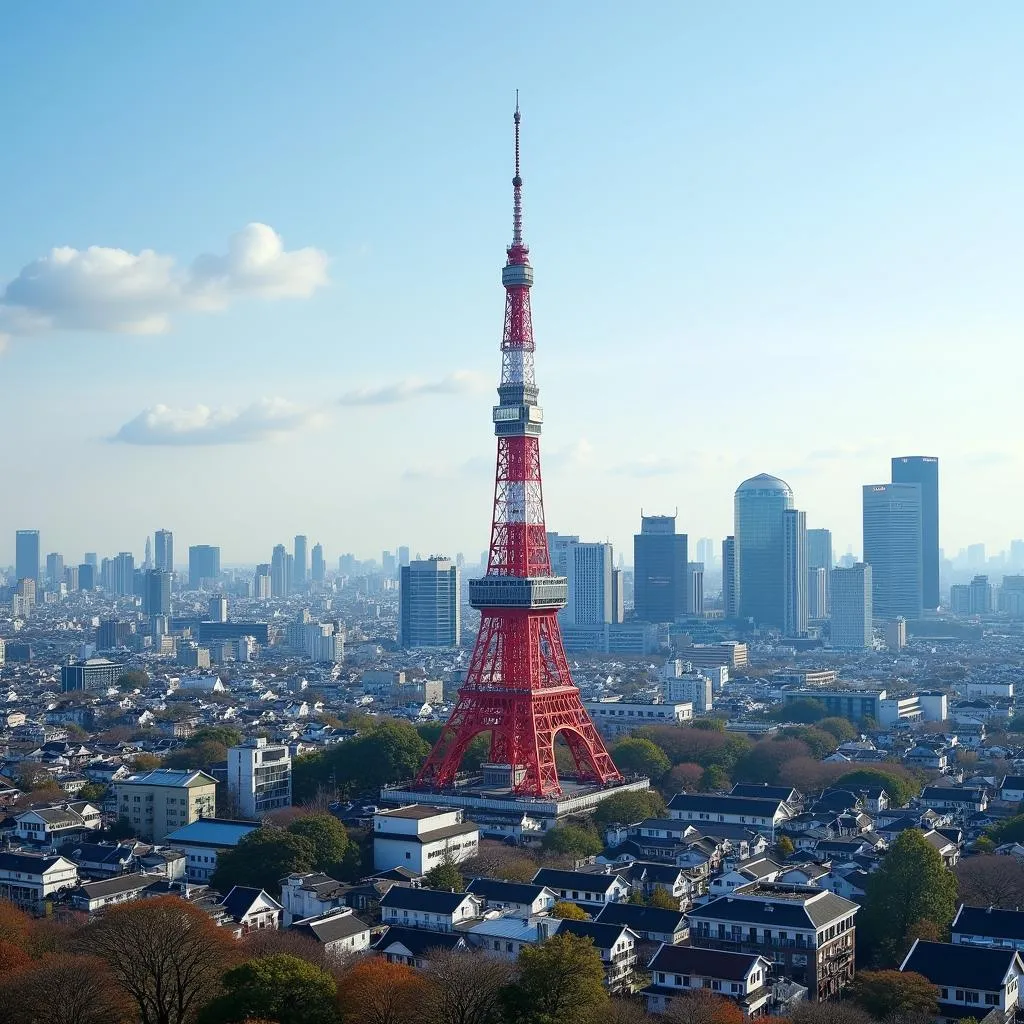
(517,189)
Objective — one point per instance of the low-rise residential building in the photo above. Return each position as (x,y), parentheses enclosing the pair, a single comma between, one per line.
(1011,788)
(339,931)
(163,800)
(201,842)
(419,838)
(313,894)
(950,798)
(50,826)
(412,946)
(676,971)
(988,926)
(615,943)
(583,887)
(618,717)
(252,909)
(260,776)
(434,909)
(517,898)
(654,925)
(757,813)
(90,897)
(29,880)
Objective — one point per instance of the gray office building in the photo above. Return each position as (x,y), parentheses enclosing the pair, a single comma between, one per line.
(430,612)
(164,555)
(280,581)
(729,581)
(318,570)
(819,556)
(852,609)
(924,470)
(26,555)
(156,600)
(760,506)
(300,566)
(203,564)
(794,536)
(659,570)
(892,547)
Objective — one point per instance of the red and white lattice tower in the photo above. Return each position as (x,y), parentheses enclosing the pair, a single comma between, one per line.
(518,687)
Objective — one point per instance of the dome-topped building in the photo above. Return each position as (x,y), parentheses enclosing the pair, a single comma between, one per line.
(765,482)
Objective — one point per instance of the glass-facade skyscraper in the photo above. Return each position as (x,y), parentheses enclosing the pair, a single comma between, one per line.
(892,547)
(164,554)
(203,564)
(659,570)
(26,555)
(430,612)
(924,470)
(760,506)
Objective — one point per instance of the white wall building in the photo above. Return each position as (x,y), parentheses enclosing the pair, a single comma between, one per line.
(617,717)
(419,838)
(679,684)
(260,777)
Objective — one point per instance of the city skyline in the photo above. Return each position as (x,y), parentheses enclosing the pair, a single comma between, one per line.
(292,336)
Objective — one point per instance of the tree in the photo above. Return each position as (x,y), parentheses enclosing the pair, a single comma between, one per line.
(817,741)
(572,840)
(64,989)
(133,679)
(34,778)
(806,710)
(715,779)
(622,1010)
(569,911)
(377,992)
(785,847)
(92,791)
(464,988)
(912,885)
(327,836)
(145,762)
(703,1008)
(202,755)
(262,858)
(841,728)
(629,808)
(1009,831)
(278,987)
(15,925)
(764,760)
(561,981)
(991,881)
(685,777)
(167,955)
(894,779)
(710,724)
(662,898)
(637,756)
(445,876)
(830,1013)
(887,994)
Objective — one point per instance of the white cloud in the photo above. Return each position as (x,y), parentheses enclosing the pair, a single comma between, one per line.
(201,425)
(460,382)
(103,289)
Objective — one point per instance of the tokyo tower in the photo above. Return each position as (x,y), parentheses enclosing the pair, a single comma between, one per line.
(518,687)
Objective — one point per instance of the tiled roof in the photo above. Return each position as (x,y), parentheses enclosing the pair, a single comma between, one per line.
(950,965)
(708,963)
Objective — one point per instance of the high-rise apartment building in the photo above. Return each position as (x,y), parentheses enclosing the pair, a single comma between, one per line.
(163,557)
(695,589)
(26,555)
(259,777)
(892,547)
(122,574)
(217,609)
(300,566)
(263,583)
(706,552)
(430,613)
(589,571)
(279,572)
(157,597)
(852,607)
(817,592)
(403,557)
(203,565)
(388,563)
(730,582)
(980,596)
(659,570)
(760,506)
(795,572)
(54,568)
(923,470)
(318,568)
(71,578)
(819,556)
(87,576)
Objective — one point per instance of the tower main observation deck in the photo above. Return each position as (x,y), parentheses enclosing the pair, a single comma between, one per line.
(518,686)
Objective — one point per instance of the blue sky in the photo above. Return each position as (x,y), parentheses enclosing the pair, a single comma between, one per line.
(775,237)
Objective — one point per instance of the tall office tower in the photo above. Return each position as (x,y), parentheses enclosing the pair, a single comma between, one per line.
(975,555)
(659,570)
(794,535)
(388,563)
(289,571)
(318,570)
(706,552)
(589,571)
(300,570)
(71,578)
(92,559)
(558,551)
(25,595)
(279,572)
(695,589)
(107,575)
(263,583)
(217,609)
(26,555)
(518,687)
(157,597)
(403,557)
(618,596)
(1011,596)
(924,471)
(892,547)
(730,582)
(429,604)
(760,505)
(1017,554)
(123,574)
(817,592)
(86,576)
(54,568)
(819,556)
(259,777)
(164,554)
(852,610)
(347,564)
(203,565)
(981,596)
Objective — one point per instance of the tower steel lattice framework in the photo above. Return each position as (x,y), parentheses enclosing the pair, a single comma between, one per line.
(518,686)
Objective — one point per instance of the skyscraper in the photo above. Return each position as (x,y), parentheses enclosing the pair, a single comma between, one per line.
(819,556)
(403,556)
(589,571)
(157,596)
(87,576)
(203,565)
(892,547)
(659,570)
(147,562)
(706,552)
(300,570)
(262,588)
(429,604)
(388,563)
(279,572)
(924,471)
(795,579)
(852,607)
(695,589)
(26,555)
(54,568)
(817,591)
(318,570)
(163,557)
(729,580)
(122,579)
(760,506)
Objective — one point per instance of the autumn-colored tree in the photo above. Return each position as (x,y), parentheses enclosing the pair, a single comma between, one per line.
(377,992)
(663,899)
(684,778)
(166,954)
(15,924)
(146,762)
(830,1013)
(496,860)
(569,911)
(561,981)
(13,957)
(65,989)
(626,1011)
(895,994)
(465,988)
(269,941)
(703,1008)
(785,846)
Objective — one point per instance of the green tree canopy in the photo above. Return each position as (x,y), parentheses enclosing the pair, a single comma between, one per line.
(662,898)
(842,728)
(1009,831)
(281,988)
(561,981)
(569,911)
(572,840)
(785,846)
(445,876)
(889,995)
(327,836)
(899,787)
(817,741)
(911,887)
(638,756)
(710,724)
(806,710)
(132,679)
(262,858)
(628,808)
(225,735)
